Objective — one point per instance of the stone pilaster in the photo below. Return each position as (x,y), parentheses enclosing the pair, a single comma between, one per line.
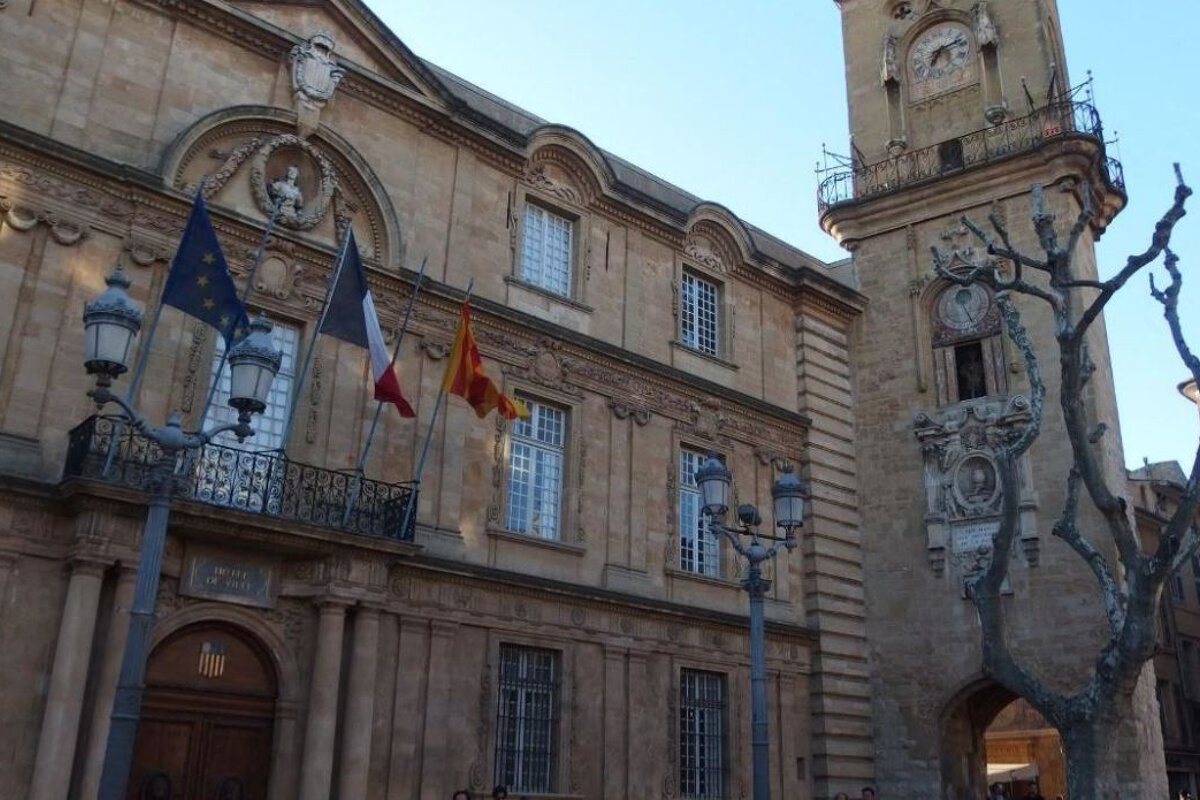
(106,681)
(316,772)
(64,701)
(360,706)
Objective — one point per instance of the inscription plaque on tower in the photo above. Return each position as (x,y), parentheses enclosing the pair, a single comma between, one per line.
(239,578)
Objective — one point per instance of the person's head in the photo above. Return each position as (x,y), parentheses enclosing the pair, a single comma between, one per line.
(868,793)
(841,796)
(500,793)
(461,794)
(997,789)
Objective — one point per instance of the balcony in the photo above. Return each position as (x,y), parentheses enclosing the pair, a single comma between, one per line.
(1056,121)
(265,483)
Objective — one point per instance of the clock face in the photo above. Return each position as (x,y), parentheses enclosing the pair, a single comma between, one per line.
(962,308)
(940,52)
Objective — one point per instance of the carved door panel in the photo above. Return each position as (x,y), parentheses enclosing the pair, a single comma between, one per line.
(236,757)
(162,758)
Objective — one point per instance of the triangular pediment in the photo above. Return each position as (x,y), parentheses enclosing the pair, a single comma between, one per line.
(360,37)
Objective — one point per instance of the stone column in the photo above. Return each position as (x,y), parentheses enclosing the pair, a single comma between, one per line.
(8,563)
(316,776)
(106,681)
(64,701)
(360,706)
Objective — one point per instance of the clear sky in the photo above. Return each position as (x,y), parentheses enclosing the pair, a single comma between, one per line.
(732,102)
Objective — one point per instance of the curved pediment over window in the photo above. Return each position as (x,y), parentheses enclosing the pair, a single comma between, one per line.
(250,159)
(716,239)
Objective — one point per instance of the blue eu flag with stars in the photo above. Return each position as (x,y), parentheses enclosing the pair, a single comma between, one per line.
(199,283)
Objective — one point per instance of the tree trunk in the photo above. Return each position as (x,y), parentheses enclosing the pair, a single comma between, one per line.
(1090,749)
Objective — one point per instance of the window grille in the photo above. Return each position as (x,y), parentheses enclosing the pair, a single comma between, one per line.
(698,551)
(698,312)
(546,250)
(701,735)
(527,719)
(535,467)
(269,425)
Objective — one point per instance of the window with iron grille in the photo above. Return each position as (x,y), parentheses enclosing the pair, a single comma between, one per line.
(527,719)
(1195,575)
(546,250)
(535,467)
(698,314)
(701,735)
(698,550)
(269,425)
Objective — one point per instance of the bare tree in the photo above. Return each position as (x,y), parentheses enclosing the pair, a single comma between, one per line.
(1087,719)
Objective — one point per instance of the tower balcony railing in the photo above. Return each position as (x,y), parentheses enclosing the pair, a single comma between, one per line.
(265,482)
(1058,120)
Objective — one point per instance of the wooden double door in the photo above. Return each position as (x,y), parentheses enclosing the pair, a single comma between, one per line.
(208,718)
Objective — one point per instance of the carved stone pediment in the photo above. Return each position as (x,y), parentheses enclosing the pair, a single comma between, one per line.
(962,489)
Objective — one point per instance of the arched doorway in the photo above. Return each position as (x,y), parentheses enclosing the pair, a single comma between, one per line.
(207,718)
(989,735)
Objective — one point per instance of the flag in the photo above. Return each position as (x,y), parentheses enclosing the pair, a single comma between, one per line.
(465,378)
(350,316)
(199,284)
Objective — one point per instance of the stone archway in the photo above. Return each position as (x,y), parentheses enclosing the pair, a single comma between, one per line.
(208,717)
(990,735)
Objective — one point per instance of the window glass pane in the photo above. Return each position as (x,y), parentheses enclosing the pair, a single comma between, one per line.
(698,314)
(535,468)
(527,719)
(698,551)
(546,250)
(701,735)
(269,425)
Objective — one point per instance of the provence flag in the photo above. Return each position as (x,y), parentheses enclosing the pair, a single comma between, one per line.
(465,376)
(350,316)
(199,283)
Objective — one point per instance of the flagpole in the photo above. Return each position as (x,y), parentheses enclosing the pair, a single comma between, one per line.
(312,342)
(258,257)
(366,448)
(437,406)
(143,358)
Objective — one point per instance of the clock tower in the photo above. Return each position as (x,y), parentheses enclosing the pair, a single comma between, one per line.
(961,107)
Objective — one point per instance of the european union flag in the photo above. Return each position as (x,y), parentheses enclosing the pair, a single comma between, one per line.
(199,283)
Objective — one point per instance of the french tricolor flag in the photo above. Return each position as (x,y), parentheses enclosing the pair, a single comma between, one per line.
(350,316)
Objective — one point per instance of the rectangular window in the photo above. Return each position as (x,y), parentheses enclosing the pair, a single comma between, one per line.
(1177,588)
(527,719)
(269,425)
(701,735)
(698,314)
(535,471)
(969,371)
(546,250)
(1196,575)
(698,551)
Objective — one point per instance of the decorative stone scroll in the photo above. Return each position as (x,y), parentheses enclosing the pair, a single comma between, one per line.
(962,484)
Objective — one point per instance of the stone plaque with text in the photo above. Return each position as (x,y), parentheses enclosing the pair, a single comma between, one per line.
(970,536)
(229,577)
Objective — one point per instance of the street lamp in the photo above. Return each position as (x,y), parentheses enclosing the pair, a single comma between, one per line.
(788,496)
(111,323)
(1189,390)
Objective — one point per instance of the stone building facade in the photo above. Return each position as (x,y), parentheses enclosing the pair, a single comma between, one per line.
(594,647)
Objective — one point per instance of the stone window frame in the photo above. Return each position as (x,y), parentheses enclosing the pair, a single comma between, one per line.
(566,699)
(580,217)
(736,694)
(727,571)
(726,328)
(725,764)
(571,534)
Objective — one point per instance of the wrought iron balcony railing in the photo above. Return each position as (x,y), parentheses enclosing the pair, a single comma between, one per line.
(1058,120)
(260,482)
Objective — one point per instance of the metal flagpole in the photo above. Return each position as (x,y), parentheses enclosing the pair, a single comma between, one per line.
(139,369)
(258,257)
(437,406)
(312,343)
(355,488)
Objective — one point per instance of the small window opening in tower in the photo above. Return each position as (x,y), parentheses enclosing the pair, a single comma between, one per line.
(968,368)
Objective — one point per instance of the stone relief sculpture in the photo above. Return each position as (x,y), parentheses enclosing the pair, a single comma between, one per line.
(985,29)
(890,72)
(285,194)
(315,77)
(961,485)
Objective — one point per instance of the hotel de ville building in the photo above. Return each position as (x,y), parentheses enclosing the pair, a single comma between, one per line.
(545,609)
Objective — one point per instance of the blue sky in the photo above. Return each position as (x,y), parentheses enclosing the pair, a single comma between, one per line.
(733,102)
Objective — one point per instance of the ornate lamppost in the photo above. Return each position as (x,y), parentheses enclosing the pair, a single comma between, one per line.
(788,496)
(111,323)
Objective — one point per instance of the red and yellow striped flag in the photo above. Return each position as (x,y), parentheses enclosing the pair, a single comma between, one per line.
(465,378)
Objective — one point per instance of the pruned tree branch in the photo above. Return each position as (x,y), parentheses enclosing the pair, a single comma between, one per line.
(1158,243)
(1066,528)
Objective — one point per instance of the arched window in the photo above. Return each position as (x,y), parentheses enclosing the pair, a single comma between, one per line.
(968,349)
